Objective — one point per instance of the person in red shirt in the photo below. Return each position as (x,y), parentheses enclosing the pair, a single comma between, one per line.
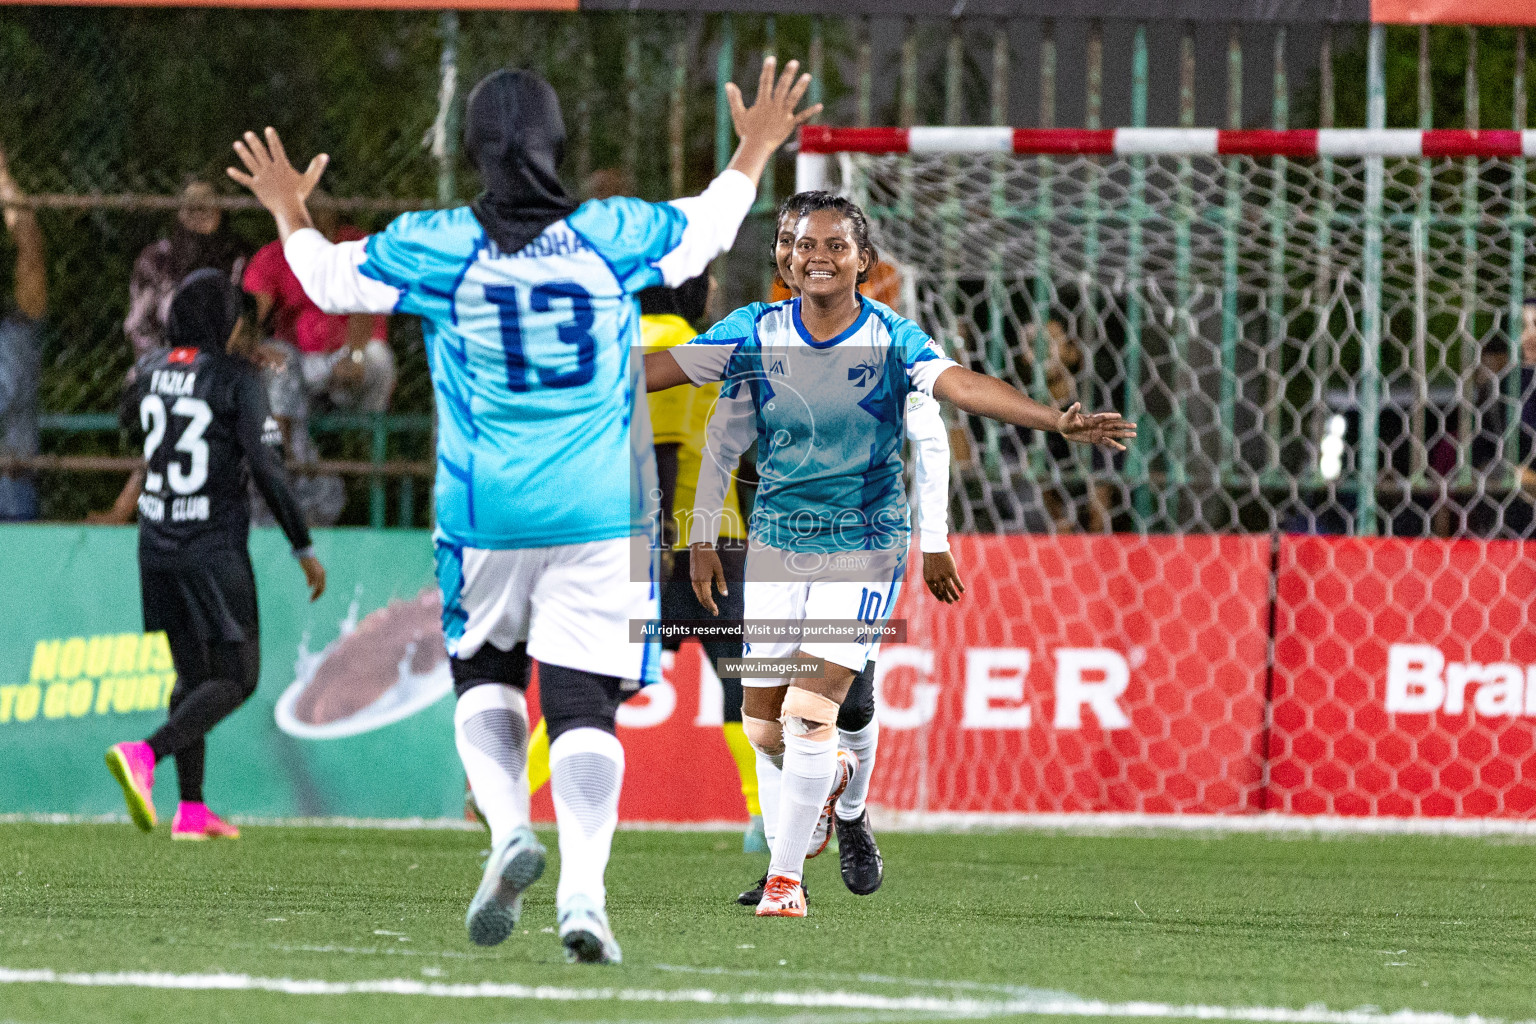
(347,359)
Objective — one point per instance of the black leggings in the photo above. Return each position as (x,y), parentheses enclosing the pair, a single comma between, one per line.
(212,680)
(569,698)
(858,707)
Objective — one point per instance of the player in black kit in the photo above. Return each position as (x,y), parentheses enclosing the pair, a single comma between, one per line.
(202,410)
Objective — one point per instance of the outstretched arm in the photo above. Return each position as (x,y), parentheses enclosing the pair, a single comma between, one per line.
(987,396)
(662,371)
(31,274)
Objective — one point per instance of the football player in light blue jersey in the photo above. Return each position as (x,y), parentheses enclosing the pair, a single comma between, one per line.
(546,476)
(822,381)
(858,729)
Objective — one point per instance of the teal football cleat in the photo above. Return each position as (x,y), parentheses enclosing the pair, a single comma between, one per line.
(494,911)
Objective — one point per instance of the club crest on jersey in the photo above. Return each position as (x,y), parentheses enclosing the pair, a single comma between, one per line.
(777,366)
(862,374)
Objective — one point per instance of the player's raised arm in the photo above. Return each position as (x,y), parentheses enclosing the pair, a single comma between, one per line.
(771,119)
(275,182)
(714,216)
(981,395)
(327,270)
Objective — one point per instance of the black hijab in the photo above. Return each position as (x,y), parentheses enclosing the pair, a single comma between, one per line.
(204,312)
(515,137)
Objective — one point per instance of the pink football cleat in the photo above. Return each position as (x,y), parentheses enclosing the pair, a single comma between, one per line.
(132,764)
(196,821)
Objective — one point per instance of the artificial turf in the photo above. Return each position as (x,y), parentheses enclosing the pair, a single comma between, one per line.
(1431,924)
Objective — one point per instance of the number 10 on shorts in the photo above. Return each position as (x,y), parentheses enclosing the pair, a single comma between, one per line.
(869,612)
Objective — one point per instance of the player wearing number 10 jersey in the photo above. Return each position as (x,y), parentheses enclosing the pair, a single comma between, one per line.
(202,411)
(546,474)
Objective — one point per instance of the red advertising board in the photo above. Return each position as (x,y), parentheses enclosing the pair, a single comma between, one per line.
(1405,678)
(1083,673)
(1123,673)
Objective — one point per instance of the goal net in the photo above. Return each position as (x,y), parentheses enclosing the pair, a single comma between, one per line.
(1318,333)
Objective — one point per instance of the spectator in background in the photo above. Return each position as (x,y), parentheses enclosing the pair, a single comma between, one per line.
(200,237)
(1527,395)
(1491,508)
(1063,360)
(341,360)
(345,359)
(20,361)
(1520,514)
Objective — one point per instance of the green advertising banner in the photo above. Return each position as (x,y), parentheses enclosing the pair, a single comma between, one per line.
(350,718)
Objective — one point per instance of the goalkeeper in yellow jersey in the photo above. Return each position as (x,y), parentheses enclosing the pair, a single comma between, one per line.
(678,420)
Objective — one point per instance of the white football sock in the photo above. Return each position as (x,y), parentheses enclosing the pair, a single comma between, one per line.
(863,743)
(490,728)
(809,766)
(586,772)
(770,776)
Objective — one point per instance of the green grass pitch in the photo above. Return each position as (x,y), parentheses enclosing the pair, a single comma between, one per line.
(968,926)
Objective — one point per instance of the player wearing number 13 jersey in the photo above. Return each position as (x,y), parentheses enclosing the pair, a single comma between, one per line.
(202,412)
(545,470)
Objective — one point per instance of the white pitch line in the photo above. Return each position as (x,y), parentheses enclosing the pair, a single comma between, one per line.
(1043,1005)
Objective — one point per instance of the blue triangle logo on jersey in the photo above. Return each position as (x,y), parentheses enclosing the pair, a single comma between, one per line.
(777,367)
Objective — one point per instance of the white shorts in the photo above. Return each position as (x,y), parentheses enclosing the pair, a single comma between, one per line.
(571,603)
(802,587)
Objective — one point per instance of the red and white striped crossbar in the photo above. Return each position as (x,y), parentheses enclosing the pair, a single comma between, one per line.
(817,142)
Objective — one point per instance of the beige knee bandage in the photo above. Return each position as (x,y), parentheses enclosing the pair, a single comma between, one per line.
(766,737)
(809,715)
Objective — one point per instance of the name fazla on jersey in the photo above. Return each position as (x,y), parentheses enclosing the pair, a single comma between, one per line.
(176,383)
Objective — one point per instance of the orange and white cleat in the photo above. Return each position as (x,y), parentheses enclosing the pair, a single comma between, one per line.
(782,897)
(847,764)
